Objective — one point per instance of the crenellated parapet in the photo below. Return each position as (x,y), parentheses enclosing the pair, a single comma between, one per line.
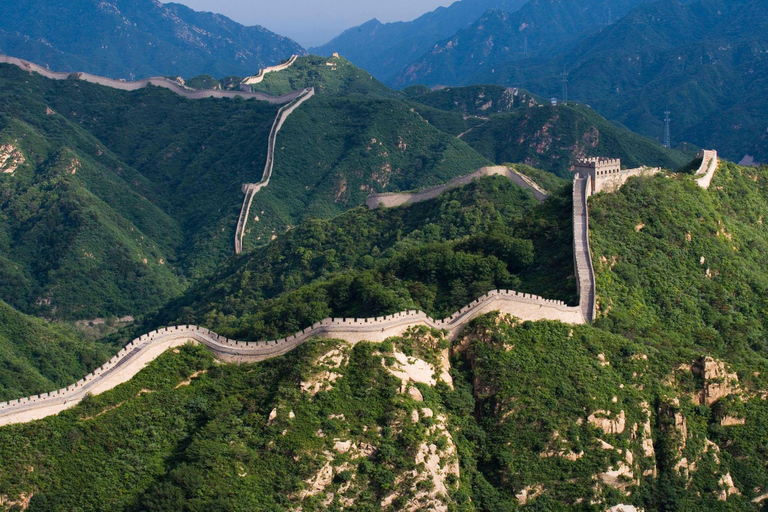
(606,174)
(144,349)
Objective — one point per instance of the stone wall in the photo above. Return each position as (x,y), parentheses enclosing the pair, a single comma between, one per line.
(706,171)
(613,181)
(250,189)
(582,255)
(392,199)
(141,351)
(166,83)
(256,79)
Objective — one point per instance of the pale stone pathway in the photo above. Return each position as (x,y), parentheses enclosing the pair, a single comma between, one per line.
(251,189)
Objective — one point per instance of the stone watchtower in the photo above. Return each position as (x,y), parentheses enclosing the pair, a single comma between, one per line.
(602,171)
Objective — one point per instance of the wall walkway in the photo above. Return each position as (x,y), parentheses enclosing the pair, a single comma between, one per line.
(192,94)
(256,79)
(250,189)
(392,199)
(706,171)
(582,256)
(141,351)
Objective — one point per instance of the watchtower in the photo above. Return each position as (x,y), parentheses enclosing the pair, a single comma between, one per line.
(600,169)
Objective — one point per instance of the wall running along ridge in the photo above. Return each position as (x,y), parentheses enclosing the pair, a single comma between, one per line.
(256,79)
(166,83)
(392,199)
(250,189)
(582,189)
(141,351)
(709,164)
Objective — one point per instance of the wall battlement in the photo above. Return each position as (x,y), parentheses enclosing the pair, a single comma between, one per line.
(606,174)
(144,349)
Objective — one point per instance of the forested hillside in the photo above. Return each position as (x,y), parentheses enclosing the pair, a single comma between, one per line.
(434,256)
(660,404)
(148,183)
(702,60)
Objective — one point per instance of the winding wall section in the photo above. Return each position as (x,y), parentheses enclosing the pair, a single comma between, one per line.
(392,199)
(141,351)
(251,189)
(256,79)
(192,94)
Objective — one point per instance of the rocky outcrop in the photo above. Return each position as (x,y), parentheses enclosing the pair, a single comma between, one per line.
(718,381)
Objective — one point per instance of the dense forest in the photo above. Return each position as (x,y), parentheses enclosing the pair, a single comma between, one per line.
(660,404)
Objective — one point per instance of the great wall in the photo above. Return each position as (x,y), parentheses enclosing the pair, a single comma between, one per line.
(392,199)
(141,351)
(257,79)
(172,85)
(250,189)
(590,178)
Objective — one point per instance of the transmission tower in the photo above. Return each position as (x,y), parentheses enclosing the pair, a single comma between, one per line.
(667,134)
(565,86)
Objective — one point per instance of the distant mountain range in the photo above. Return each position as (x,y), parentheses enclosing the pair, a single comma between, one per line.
(384,49)
(703,60)
(136,39)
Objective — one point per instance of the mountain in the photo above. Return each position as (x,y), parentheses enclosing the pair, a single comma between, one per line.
(511,125)
(384,48)
(136,39)
(38,356)
(659,405)
(656,58)
(497,37)
(143,188)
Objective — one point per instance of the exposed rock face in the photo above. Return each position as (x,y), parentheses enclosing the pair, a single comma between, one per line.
(728,489)
(434,465)
(718,382)
(329,365)
(601,419)
(10,158)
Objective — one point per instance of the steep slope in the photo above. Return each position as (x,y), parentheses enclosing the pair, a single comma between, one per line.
(554,137)
(499,36)
(701,60)
(384,48)
(136,39)
(38,356)
(660,405)
(80,238)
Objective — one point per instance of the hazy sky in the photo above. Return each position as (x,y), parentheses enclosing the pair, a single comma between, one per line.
(314,22)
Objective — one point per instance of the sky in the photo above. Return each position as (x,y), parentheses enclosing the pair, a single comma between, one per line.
(314,22)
